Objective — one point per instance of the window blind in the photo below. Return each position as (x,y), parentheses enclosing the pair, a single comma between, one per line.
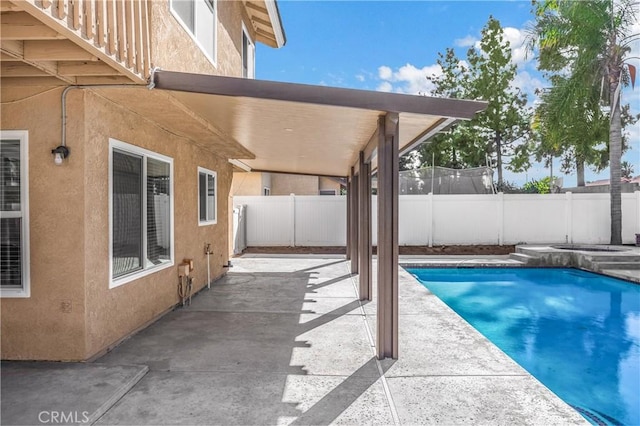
(11,272)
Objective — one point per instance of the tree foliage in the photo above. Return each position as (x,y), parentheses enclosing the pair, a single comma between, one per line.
(584,44)
(498,132)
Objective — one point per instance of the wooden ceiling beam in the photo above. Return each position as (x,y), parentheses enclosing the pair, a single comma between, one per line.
(22,26)
(7,6)
(85,69)
(253,6)
(32,81)
(8,58)
(20,69)
(55,50)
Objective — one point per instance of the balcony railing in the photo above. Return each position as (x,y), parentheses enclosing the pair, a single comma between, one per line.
(115,31)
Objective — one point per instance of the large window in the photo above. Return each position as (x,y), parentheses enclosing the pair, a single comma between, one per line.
(141,212)
(248,55)
(207,201)
(14,214)
(199,18)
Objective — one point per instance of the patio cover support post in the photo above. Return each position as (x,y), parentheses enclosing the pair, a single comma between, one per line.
(354,222)
(349,216)
(364,241)
(387,322)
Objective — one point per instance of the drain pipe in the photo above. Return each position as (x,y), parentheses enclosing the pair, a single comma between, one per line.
(150,85)
(208,253)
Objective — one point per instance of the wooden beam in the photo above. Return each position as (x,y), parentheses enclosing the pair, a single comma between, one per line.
(22,26)
(32,81)
(7,6)
(86,68)
(364,233)
(120,79)
(261,21)
(387,320)
(355,222)
(253,6)
(55,50)
(8,58)
(20,69)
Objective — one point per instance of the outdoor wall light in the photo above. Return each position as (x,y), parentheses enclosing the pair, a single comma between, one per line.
(59,154)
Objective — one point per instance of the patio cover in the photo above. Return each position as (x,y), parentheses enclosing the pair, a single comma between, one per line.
(318,130)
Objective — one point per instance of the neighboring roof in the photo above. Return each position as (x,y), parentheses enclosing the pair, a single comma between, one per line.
(606,181)
(266,21)
(295,128)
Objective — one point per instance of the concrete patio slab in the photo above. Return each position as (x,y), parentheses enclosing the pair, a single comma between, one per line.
(480,400)
(59,393)
(284,340)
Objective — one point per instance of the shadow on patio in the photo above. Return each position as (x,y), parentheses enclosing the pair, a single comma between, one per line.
(287,345)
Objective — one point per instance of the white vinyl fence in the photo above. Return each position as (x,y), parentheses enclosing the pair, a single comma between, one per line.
(444,219)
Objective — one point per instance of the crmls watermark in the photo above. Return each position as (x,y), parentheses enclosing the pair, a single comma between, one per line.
(59,417)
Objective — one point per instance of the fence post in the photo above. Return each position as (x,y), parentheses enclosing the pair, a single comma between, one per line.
(430,222)
(569,218)
(500,218)
(637,212)
(292,219)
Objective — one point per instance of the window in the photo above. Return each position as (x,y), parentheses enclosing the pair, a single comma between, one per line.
(199,18)
(207,201)
(141,190)
(327,192)
(266,191)
(14,214)
(248,55)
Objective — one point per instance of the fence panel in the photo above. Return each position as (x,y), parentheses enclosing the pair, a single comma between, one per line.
(321,220)
(445,219)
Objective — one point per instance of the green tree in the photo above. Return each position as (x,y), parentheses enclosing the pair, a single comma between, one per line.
(499,131)
(627,170)
(588,41)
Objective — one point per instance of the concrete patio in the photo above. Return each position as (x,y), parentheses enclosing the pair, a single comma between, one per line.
(284,340)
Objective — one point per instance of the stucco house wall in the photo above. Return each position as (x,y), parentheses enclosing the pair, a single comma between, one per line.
(72,314)
(282,184)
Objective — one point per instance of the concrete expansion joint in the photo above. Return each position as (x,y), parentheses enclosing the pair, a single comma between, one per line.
(372,343)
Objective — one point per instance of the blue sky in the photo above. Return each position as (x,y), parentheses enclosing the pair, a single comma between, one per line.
(393,46)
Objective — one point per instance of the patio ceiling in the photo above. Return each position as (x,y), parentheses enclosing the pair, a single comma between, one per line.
(305,129)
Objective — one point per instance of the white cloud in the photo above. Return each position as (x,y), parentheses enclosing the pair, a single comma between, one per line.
(527,84)
(408,78)
(360,77)
(384,72)
(385,86)
(517,41)
(467,41)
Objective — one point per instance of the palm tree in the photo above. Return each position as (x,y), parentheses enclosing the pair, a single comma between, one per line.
(587,41)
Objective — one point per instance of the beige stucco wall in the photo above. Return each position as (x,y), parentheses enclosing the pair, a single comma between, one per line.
(327,183)
(49,324)
(69,224)
(173,48)
(283,184)
(246,183)
(72,314)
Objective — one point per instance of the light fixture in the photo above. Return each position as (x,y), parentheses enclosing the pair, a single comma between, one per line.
(59,154)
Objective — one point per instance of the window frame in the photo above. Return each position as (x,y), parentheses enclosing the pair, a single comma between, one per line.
(320,192)
(214,10)
(25,290)
(146,270)
(208,173)
(251,66)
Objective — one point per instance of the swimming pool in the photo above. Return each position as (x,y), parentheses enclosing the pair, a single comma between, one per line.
(575,331)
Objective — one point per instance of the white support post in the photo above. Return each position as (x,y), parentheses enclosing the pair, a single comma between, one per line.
(569,218)
(500,217)
(637,212)
(430,221)
(292,220)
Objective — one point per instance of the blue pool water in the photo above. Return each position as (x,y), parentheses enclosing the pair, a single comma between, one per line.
(576,332)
